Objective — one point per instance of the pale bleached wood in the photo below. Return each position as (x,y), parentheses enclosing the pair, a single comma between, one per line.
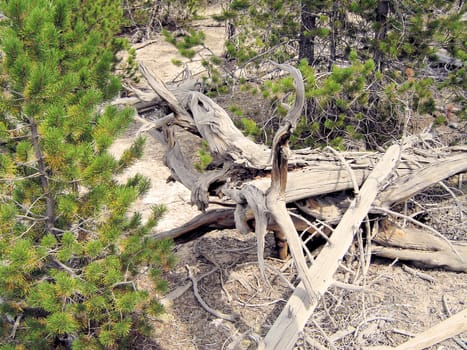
(408,185)
(182,116)
(321,172)
(420,247)
(446,329)
(215,219)
(275,195)
(316,180)
(223,137)
(326,176)
(284,332)
(251,204)
(328,208)
(445,259)
(223,218)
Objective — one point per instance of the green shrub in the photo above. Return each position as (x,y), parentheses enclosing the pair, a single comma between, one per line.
(70,255)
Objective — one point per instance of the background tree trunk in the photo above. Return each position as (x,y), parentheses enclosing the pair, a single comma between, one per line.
(307,38)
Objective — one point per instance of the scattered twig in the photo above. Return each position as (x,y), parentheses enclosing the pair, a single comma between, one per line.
(243,303)
(314,344)
(310,225)
(403,332)
(444,330)
(324,334)
(221,271)
(178,292)
(342,334)
(349,169)
(15,327)
(371,319)
(458,202)
(146,43)
(348,286)
(156,124)
(326,309)
(456,338)
(281,276)
(368,237)
(418,274)
(218,314)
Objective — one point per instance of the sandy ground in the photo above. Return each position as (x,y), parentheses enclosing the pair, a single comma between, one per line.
(158,56)
(173,195)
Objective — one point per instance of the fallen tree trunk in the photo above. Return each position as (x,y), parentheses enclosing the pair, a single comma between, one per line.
(311,172)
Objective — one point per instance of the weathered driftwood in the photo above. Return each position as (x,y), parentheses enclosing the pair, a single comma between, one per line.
(329,176)
(311,172)
(284,332)
(446,329)
(271,203)
(183,118)
(304,185)
(224,218)
(275,195)
(406,186)
(224,139)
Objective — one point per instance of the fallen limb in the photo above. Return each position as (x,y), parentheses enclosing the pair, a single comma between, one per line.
(220,219)
(284,333)
(420,247)
(418,274)
(209,309)
(183,118)
(168,299)
(275,195)
(408,185)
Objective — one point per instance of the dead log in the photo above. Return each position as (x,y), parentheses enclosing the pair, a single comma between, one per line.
(215,219)
(220,219)
(418,246)
(271,203)
(275,195)
(406,186)
(183,118)
(327,176)
(304,186)
(311,172)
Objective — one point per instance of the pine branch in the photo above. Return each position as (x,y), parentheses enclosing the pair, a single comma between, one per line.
(50,202)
